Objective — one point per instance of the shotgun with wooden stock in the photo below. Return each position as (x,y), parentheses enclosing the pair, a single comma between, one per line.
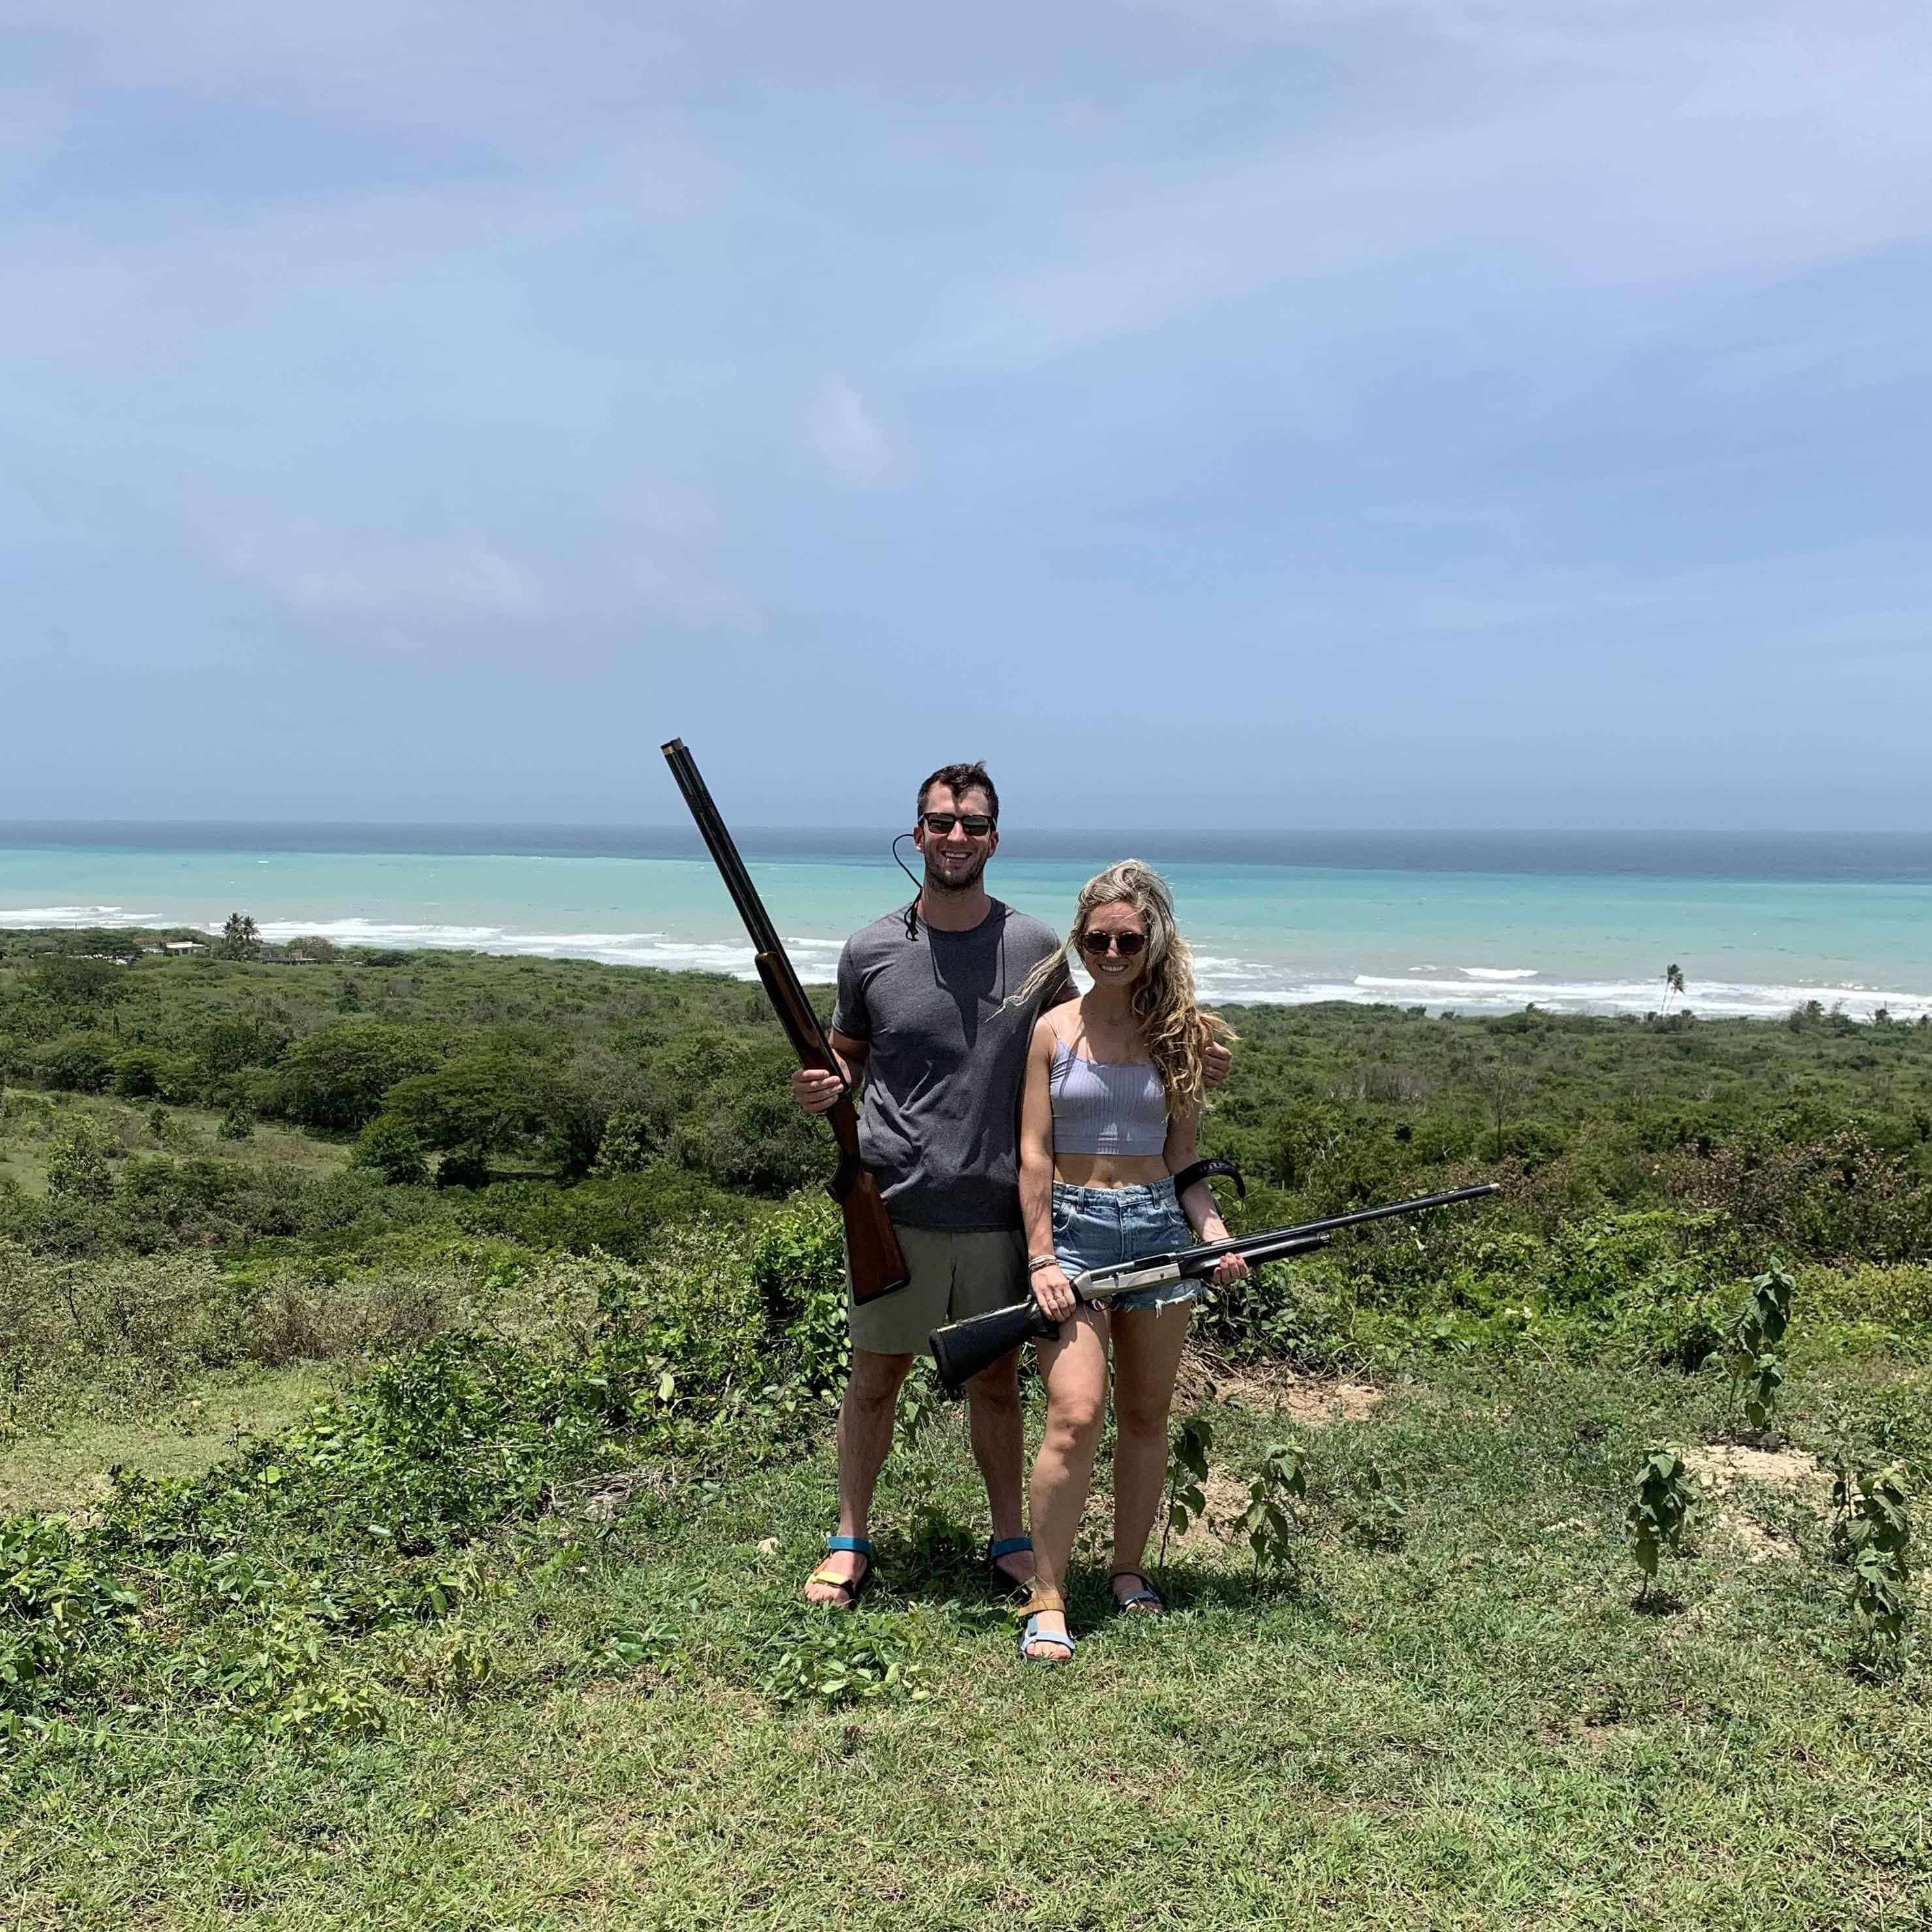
(871,1246)
(962,1348)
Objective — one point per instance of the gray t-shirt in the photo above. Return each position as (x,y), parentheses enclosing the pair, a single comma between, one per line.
(939,1128)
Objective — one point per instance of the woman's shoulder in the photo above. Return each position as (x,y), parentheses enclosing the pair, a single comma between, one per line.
(1047,1037)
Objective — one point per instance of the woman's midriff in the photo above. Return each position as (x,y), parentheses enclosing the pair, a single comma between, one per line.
(1107,1170)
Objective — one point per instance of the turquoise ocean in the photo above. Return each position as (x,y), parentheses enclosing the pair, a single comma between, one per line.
(1475,921)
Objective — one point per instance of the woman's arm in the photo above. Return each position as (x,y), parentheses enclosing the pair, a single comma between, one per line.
(1197,1203)
(1050,1288)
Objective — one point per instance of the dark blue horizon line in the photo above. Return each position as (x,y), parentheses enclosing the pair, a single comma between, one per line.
(681,829)
(1819,856)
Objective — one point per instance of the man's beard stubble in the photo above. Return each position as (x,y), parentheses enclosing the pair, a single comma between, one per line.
(945,888)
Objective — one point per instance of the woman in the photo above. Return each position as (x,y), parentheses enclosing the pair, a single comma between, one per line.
(1108,1111)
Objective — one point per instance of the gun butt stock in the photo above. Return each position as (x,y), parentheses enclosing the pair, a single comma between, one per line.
(961,1349)
(871,1248)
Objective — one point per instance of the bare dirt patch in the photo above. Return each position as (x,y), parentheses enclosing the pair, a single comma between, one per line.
(1721,1464)
(1314,1402)
(1227,1497)
(1758,1542)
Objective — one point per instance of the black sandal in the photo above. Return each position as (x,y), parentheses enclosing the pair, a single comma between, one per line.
(1145,1601)
(1007,1545)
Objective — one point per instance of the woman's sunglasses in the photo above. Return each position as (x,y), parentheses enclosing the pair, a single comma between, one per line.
(974,824)
(1101,943)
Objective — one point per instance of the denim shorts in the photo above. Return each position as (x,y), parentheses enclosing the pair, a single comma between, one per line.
(1095,1227)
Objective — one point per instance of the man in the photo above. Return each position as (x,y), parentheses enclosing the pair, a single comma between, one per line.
(922,1022)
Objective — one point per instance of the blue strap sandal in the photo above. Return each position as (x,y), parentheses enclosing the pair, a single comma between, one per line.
(851,1586)
(1007,1545)
(1145,1601)
(1032,1634)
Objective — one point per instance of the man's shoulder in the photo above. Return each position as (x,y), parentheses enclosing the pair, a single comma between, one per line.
(1030,935)
(871,945)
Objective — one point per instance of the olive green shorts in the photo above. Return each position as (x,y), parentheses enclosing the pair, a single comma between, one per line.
(953,1276)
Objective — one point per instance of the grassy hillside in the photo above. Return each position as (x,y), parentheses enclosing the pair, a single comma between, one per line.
(416,1376)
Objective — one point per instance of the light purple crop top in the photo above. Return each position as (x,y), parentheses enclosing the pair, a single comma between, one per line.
(1116,1107)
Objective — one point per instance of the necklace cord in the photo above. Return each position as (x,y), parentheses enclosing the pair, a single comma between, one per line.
(912,911)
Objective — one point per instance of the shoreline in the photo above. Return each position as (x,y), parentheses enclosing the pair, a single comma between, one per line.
(1223,979)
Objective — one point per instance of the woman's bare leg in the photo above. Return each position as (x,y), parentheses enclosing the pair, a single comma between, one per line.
(1075,1371)
(1147,1343)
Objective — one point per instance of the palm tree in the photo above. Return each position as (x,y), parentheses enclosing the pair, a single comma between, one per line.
(241,938)
(1673,983)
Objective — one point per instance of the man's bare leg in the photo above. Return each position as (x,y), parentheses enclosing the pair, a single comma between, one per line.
(999,1446)
(864,1439)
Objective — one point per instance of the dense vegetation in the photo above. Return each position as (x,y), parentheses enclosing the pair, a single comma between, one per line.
(414,1377)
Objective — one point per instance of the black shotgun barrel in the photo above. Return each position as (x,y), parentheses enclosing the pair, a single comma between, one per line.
(724,850)
(871,1248)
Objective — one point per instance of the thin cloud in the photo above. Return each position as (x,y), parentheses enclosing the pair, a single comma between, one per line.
(849,442)
(318,573)
(692,601)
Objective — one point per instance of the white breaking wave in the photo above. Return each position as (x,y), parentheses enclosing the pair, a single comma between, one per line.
(36,916)
(1713,999)
(816,960)
(1471,989)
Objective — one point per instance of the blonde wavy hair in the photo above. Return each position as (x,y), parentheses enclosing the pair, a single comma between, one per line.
(1178,1031)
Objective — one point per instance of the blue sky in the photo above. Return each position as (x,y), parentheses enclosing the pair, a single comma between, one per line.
(1334,413)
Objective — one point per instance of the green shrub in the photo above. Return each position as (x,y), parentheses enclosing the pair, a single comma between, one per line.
(1659,1513)
(76,1161)
(623,1214)
(59,1607)
(754,1138)
(798,1270)
(857,1656)
(394,1150)
(1871,1534)
(1755,1370)
(1895,1297)
(484,1103)
(80,1063)
(627,1145)
(1187,1478)
(139,1073)
(1896,1419)
(1268,1524)
(336,1079)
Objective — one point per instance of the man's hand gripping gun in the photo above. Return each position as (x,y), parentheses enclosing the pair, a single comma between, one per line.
(962,1348)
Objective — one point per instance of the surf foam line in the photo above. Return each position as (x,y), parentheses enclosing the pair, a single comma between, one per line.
(1239,982)
(1470,989)
(817,959)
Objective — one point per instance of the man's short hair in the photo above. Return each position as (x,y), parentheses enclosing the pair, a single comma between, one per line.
(959,780)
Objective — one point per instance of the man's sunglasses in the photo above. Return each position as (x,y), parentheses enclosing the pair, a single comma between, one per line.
(1101,943)
(974,824)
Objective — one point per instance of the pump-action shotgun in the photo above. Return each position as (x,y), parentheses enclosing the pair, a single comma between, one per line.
(962,1348)
(871,1246)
